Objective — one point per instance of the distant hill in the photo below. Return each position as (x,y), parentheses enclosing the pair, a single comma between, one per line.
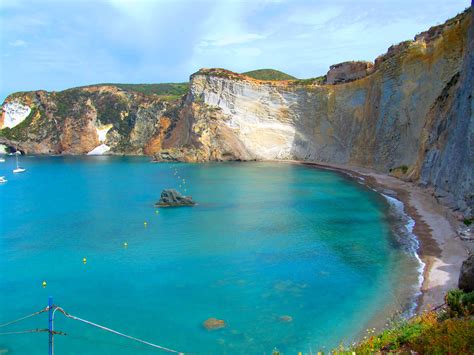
(165,89)
(269,74)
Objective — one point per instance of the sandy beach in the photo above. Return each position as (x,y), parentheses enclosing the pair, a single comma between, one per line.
(441,249)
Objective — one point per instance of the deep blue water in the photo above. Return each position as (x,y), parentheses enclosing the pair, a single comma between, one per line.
(266,240)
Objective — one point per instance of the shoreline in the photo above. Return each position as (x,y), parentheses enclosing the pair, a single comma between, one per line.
(441,250)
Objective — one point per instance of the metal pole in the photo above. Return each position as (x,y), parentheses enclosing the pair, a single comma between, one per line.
(50,324)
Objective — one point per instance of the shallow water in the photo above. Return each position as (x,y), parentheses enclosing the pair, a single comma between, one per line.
(267,240)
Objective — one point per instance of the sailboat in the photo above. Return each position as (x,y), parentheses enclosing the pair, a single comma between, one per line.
(18,169)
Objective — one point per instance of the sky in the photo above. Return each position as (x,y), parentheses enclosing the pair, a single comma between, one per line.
(55,45)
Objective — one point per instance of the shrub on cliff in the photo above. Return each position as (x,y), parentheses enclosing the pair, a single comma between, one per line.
(460,303)
(449,330)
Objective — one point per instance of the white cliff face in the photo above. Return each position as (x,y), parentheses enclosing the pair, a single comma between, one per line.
(102,135)
(102,132)
(15,113)
(101,149)
(392,118)
(259,118)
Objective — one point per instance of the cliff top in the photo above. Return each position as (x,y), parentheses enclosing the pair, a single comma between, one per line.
(228,74)
(173,91)
(164,91)
(260,76)
(269,74)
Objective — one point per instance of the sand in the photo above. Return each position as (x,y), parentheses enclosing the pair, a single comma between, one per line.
(441,249)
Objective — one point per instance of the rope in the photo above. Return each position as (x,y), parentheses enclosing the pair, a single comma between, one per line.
(22,318)
(26,331)
(116,332)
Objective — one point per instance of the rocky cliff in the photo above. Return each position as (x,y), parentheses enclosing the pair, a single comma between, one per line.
(94,120)
(409,113)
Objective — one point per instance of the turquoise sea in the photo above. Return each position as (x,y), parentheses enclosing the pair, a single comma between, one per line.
(291,257)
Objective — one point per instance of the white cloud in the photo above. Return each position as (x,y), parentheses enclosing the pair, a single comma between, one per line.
(18,43)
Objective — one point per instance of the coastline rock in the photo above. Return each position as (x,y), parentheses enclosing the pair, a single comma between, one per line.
(285,319)
(466,277)
(414,110)
(348,71)
(214,323)
(172,198)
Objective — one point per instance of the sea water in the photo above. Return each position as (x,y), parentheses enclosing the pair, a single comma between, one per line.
(290,257)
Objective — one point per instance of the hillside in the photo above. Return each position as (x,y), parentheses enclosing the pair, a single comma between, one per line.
(409,112)
(269,74)
(173,90)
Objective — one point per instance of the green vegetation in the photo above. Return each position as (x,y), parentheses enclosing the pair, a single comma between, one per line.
(449,330)
(68,101)
(460,303)
(170,90)
(269,74)
(20,131)
(467,221)
(311,81)
(399,170)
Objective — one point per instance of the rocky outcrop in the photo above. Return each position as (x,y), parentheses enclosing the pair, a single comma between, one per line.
(214,323)
(466,277)
(94,119)
(285,319)
(446,155)
(409,114)
(172,198)
(348,71)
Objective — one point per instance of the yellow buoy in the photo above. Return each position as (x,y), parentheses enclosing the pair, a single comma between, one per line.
(44,284)
(145,224)
(84,260)
(157,211)
(125,244)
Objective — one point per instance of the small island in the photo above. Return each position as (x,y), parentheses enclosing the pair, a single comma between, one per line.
(172,198)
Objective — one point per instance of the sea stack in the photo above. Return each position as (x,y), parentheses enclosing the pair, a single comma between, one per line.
(172,198)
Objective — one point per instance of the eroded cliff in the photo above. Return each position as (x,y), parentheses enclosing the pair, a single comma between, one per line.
(409,113)
(77,121)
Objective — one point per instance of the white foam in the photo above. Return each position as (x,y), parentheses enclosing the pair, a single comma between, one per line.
(101,149)
(15,113)
(412,244)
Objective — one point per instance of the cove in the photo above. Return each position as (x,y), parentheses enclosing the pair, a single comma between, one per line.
(289,256)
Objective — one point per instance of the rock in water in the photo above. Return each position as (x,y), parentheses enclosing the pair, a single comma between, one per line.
(214,323)
(286,319)
(466,277)
(172,198)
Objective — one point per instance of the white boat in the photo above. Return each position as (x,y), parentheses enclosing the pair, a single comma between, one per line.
(2,160)
(18,169)
(2,179)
